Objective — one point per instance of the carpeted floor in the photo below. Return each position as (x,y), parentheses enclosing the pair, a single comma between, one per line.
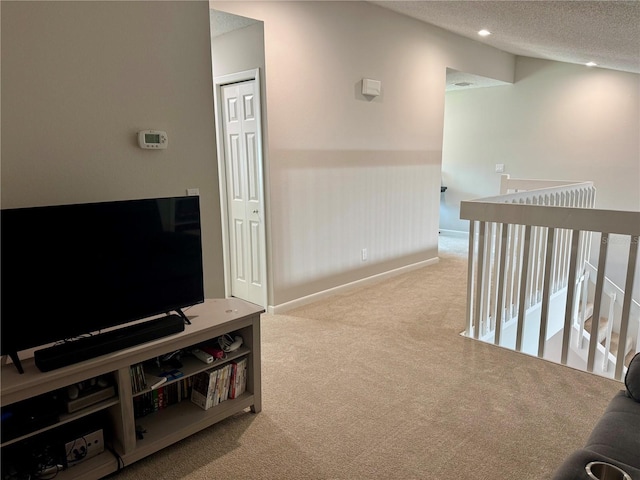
(377,383)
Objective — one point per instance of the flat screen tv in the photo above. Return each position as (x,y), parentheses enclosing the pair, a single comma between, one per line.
(72,270)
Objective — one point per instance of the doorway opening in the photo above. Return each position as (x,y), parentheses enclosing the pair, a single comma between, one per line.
(238,61)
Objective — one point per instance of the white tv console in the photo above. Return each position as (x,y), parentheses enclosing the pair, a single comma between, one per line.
(209,320)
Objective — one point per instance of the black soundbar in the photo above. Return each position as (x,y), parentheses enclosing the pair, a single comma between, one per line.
(75,351)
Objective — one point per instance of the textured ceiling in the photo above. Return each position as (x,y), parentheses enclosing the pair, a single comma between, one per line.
(222,23)
(572,31)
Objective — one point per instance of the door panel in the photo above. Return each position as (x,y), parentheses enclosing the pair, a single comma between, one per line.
(244,190)
(236,166)
(249,110)
(239,249)
(256,271)
(253,181)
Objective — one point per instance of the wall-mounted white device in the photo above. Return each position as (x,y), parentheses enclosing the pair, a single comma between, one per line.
(371,87)
(152,139)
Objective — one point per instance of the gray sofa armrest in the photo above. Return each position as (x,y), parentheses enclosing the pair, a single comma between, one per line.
(616,437)
(617,433)
(632,378)
(574,466)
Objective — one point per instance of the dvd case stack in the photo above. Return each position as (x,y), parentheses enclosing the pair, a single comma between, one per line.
(216,385)
(238,378)
(138,379)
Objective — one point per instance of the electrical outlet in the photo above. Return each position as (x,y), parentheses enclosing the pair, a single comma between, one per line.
(499,167)
(365,255)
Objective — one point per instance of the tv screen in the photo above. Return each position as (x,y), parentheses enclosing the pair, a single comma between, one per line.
(73,269)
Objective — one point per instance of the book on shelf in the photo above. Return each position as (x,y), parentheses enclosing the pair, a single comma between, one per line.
(162,397)
(138,379)
(238,380)
(204,388)
(217,385)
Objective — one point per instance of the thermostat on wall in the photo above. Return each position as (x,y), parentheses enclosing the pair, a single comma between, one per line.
(152,139)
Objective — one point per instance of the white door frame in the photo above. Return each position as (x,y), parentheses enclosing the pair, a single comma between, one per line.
(218,83)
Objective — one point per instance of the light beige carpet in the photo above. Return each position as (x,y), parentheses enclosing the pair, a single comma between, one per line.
(377,383)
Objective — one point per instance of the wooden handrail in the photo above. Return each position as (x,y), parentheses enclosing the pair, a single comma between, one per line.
(583,219)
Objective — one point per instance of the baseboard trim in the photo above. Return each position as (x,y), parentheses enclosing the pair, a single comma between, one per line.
(314,297)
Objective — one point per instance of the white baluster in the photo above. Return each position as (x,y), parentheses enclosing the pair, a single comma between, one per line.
(583,314)
(607,342)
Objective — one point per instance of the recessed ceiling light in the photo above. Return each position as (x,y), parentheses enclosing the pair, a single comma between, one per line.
(591,64)
(484,33)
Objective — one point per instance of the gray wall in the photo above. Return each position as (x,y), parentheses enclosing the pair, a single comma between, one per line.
(557,121)
(79,79)
(346,172)
(349,172)
(238,50)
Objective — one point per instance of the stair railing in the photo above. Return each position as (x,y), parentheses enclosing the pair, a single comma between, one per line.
(526,246)
(515,185)
(615,296)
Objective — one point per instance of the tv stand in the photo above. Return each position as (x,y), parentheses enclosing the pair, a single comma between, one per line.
(209,320)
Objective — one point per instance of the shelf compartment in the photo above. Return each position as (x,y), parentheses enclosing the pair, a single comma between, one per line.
(191,366)
(67,418)
(96,467)
(178,421)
